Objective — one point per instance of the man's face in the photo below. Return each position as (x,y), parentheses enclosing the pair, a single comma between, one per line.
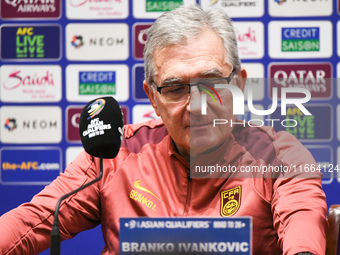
(200,57)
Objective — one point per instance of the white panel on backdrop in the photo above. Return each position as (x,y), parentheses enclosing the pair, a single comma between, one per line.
(338,122)
(250,39)
(142,113)
(30,124)
(97,41)
(293,8)
(237,8)
(255,78)
(72,153)
(300,39)
(87,9)
(30,83)
(338,78)
(152,9)
(87,82)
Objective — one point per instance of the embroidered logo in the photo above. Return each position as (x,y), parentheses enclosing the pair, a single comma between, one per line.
(230,201)
(137,196)
(137,186)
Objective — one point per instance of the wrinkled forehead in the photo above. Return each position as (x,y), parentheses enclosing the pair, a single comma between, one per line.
(201,56)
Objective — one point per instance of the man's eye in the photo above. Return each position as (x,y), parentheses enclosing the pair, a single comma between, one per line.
(176,89)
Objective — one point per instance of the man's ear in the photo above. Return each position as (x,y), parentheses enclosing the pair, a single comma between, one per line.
(242,79)
(151,95)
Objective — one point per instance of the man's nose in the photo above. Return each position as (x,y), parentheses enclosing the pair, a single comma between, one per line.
(195,99)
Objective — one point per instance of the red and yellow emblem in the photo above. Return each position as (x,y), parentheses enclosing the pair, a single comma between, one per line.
(230,201)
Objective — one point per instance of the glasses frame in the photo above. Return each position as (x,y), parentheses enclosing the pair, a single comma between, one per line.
(228,79)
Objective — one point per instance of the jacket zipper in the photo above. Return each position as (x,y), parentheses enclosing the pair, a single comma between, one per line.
(188,175)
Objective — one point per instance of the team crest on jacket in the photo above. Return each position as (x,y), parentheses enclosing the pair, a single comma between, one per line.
(230,201)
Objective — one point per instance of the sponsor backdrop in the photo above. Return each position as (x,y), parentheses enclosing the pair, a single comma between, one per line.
(56,55)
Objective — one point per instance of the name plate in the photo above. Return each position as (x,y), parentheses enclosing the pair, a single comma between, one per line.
(186,235)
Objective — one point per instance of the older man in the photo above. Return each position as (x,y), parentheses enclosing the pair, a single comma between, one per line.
(188,51)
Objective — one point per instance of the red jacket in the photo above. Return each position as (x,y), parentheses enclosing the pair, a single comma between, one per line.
(149,178)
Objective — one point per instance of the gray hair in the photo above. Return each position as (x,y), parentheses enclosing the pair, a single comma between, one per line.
(188,21)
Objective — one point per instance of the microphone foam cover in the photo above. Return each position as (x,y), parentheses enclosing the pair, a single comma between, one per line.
(101,127)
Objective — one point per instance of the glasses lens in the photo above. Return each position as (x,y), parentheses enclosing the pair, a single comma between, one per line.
(176,93)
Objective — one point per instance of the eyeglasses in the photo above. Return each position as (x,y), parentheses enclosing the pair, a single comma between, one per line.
(180,92)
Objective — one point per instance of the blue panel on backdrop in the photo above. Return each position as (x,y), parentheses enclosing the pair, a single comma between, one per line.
(30,42)
(323,156)
(30,165)
(316,127)
(139,93)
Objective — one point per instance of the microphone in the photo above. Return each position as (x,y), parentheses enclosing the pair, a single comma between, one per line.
(101,128)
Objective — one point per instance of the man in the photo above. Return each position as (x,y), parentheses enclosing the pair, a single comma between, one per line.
(154,160)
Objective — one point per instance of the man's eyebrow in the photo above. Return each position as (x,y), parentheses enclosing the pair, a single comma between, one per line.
(216,72)
(213,72)
(172,80)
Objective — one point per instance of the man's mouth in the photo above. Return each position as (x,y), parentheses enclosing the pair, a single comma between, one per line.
(201,124)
